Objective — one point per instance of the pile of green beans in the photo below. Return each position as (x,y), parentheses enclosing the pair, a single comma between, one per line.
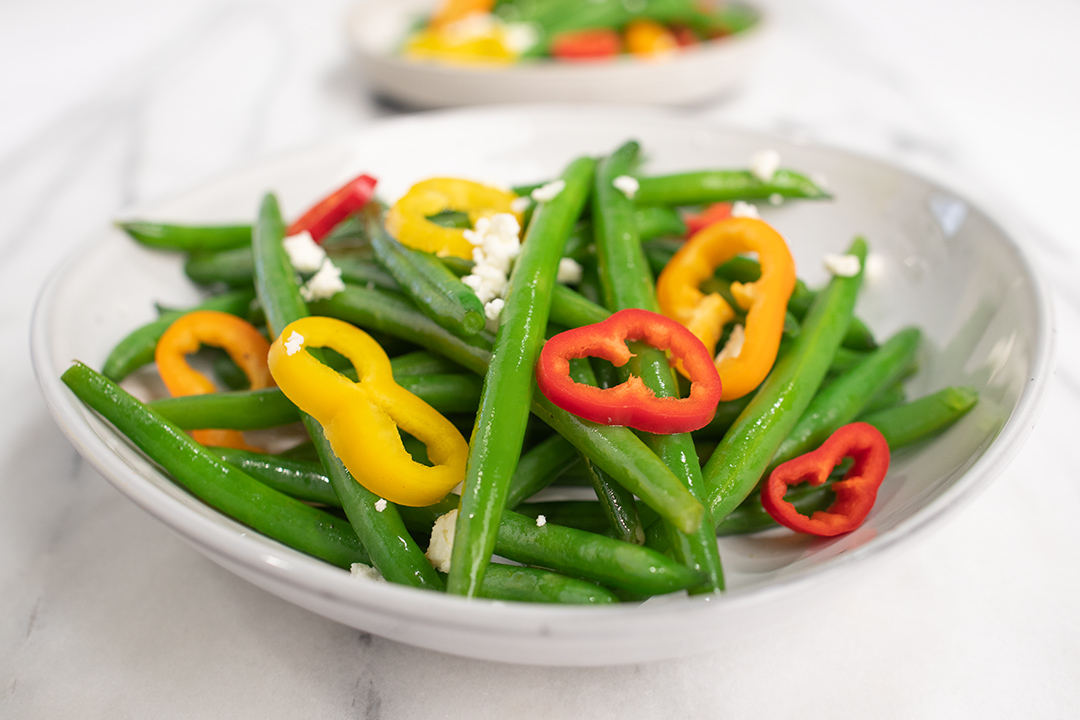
(657,502)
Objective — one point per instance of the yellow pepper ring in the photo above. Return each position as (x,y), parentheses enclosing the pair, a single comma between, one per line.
(679,296)
(408,218)
(361,419)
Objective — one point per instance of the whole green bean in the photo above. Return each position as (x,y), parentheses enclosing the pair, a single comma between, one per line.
(539,467)
(571,309)
(435,290)
(301,479)
(382,533)
(213,481)
(236,268)
(627,283)
(137,348)
(504,405)
(189,238)
(709,186)
(890,397)
(745,451)
(521,584)
(913,421)
(840,402)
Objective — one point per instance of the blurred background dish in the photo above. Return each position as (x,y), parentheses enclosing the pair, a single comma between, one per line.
(403,67)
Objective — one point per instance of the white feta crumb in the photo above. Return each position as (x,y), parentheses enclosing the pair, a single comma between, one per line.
(842,265)
(323,284)
(874,270)
(764,164)
(548,192)
(541,521)
(367,572)
(294,343)
(304,253)
(734,345)
(487,281)
(521,204)
(520,36)
(776,199)
(745,209)
(442,541)
(380,505)
(627,185)
(493,309)
(569,272)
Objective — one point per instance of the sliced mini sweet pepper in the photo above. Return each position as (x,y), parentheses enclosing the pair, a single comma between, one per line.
(716,212)
(593,44)
(630,403)
(361,419)
(751,350)
(451,11)
(648,38)
(335,207)
(855,493)
(408,219)
(239,338)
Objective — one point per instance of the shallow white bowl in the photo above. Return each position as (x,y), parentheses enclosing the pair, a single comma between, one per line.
(376,29)
(948,268)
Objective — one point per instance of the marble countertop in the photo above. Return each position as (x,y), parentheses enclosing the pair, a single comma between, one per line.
(106,613)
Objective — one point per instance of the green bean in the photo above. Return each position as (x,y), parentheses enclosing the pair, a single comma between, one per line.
(236,268)
(382,534)
(913,421)
(504,405)
(587,515)
(432,287)
(840,402)
(217,483)
(301,479)
(887,399)
(627,283)
(658,222)
(709,186)
(617,502)
(745,451)
(374,309)
(521,584)
(614,449)
(189,238)
(858,335)
(137,349)
(571,309)
(539,467)
(422,362)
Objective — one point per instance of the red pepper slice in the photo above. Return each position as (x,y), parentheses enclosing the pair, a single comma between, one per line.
(631,403)
(594,44)
(712,214)
(855,494)
(335,207)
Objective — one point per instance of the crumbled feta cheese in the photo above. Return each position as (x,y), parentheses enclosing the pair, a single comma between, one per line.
(367,572)
(496,244)
(380,505)
(745,209)
(874,270)
(569,272)
(627,185)
(541,521)
(764,164)
(521,204)
(487,281)
(520,36)
(548,192)
(442,541)
(323,284)
(776,199)
(294,343)
(734,345)
(493,309)
(843,265)
(304,253)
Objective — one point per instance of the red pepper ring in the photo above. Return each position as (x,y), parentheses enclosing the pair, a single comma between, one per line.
(321,218)
(630,403)
(855,494)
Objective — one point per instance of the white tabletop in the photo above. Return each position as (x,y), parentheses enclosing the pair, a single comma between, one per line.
(105,613)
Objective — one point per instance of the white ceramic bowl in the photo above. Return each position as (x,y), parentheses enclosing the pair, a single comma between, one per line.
(948,268)
(376,29)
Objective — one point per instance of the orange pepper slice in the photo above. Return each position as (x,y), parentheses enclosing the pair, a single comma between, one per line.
(239,338)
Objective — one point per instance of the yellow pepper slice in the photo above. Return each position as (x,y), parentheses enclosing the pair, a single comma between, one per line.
(408,220)
(743,366)
(361,419)
(648,38)
(451,11)
(239,338)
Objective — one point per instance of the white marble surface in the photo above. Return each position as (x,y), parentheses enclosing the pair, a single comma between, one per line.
(104,613)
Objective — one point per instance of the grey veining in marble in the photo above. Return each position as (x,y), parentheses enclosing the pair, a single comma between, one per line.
(105,613)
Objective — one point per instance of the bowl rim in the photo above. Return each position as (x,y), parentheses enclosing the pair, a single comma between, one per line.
(221,537)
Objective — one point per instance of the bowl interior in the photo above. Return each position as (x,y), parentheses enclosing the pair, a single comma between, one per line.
(946,267)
